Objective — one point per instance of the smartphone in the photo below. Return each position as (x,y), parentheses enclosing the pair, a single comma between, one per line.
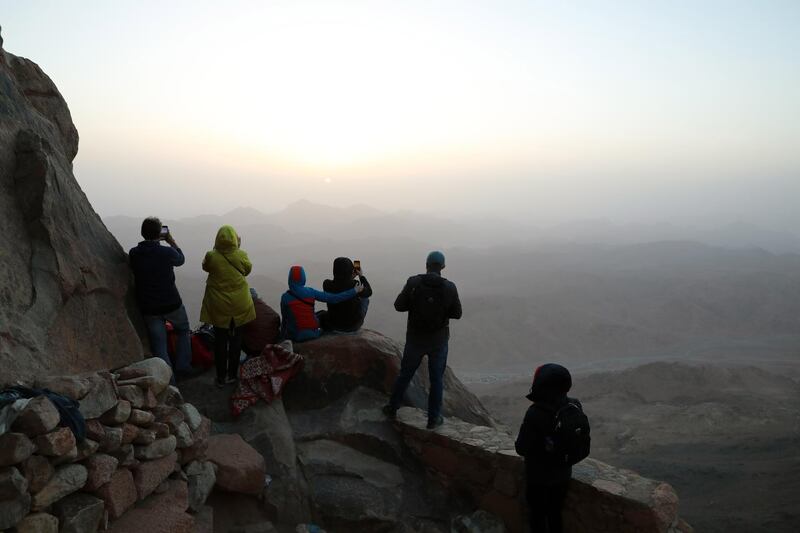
(164,232)
(357,265)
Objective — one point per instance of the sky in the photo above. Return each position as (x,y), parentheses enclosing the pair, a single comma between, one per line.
(548,111)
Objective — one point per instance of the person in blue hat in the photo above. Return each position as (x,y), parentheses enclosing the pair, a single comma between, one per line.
(431,301)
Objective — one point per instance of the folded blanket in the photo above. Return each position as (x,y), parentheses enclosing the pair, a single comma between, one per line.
(264,376)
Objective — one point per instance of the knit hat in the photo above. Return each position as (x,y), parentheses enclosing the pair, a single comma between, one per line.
(435,258)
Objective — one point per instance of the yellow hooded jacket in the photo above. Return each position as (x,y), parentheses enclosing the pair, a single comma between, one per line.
(227,297)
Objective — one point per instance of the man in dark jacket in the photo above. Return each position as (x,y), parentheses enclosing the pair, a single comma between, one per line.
(157,295)
(348,315)
(431,301)
(547,478)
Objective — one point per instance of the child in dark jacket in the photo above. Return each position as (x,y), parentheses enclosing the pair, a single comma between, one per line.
(547,478)
(348,315)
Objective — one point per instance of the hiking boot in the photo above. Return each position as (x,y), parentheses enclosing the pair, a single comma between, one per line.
(389,411)
(220,384)
(435,422)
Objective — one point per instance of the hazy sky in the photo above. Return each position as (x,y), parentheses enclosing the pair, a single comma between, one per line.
(626,110)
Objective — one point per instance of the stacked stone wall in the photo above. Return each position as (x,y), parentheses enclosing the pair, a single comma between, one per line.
(143,460)
(480,464)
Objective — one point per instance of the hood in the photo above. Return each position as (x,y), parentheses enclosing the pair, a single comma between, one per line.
(342,269)
(297,276)
(227,240)
(551,382)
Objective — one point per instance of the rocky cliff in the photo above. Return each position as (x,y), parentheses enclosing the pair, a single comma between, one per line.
(64,279)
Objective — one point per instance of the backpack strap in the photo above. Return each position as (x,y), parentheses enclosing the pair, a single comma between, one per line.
(231,264)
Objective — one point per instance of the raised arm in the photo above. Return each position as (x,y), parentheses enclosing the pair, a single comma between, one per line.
(333,297)
(455,306)
(367,292)
(176,257)
(247,266)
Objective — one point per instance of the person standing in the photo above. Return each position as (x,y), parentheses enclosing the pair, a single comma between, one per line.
(157,296)
(227,303)
(431,301)
(546,472)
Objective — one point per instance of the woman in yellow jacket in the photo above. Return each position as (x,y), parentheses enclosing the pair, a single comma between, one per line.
(227,304)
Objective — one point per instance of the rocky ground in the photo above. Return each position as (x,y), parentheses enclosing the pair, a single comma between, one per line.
(725,437)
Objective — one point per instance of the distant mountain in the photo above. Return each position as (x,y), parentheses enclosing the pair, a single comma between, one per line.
(308,221)
(593,304)
(736,234)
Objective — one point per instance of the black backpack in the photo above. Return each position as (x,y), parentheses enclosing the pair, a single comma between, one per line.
(428,309)
(571,433)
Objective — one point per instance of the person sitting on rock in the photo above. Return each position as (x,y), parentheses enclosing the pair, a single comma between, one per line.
(547,476)
(348,315)
(265,329)
(299,322)
(431,301)
(227,303)
(157,296)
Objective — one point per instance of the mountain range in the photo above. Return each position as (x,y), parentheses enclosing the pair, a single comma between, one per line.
(597,305)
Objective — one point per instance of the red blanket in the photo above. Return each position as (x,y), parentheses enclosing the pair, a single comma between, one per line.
(264,376)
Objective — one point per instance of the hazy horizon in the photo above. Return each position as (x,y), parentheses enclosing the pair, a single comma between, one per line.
(628,111)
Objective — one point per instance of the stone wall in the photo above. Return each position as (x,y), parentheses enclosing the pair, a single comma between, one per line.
(480,464)
(141,467)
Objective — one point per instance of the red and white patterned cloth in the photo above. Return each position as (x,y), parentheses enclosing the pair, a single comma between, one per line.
(264,376)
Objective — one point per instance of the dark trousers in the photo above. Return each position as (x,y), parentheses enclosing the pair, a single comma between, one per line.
(227,347)
(545,503)
(414,351)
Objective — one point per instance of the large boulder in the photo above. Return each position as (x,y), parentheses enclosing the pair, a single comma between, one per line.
(240,468)
(62,269)
(65,481)
(79,513)
(337,364)
(353,491)
(355,420)
(160,513)
(267,429)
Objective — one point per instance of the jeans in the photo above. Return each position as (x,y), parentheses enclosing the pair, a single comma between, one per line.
(227,350)
(414,351)
(157,332)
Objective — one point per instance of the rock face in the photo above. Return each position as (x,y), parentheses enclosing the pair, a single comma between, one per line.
(61,268)
(337,364)
(240,468)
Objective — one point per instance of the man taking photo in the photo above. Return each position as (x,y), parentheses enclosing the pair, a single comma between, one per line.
(157,295)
